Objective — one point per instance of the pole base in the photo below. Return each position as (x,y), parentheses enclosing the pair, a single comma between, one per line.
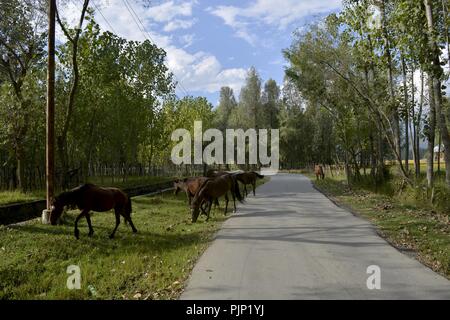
(46,216)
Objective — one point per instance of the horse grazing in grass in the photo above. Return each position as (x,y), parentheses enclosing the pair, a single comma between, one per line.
(318,171)
(247,178)
(190,186)
(214,188)
(89,197)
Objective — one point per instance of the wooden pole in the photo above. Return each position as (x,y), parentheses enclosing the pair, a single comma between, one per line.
(50,154)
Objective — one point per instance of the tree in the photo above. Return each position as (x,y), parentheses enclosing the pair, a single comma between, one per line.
(271,101)
(21,51)
(227,106)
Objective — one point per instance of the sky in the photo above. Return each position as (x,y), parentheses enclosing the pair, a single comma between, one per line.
(211,43)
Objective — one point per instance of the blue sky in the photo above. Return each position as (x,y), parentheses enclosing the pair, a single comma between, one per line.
(211,44)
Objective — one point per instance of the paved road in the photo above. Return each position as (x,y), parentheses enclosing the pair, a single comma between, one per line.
(291,242)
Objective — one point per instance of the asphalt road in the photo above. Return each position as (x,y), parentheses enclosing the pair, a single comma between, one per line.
(291,242)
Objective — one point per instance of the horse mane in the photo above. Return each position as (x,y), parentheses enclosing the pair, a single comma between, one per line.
(70,198)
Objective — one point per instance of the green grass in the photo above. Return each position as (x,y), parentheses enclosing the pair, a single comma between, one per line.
(130,182)
(10,197)
(152,264)
(404,224)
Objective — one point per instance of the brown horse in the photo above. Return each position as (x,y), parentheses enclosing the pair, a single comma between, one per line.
(249,178)
(190,186)
(215,188)
(89,197)
(318,171)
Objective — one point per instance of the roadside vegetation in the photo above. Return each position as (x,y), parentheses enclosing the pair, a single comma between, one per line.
(402,215)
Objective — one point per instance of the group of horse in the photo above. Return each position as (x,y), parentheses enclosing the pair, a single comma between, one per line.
(202,192)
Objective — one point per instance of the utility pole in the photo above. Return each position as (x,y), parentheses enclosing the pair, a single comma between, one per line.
(50,143)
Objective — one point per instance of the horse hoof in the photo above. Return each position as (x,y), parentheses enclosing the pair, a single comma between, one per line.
(91,234)
(111,236)
(77,234)
(135,231)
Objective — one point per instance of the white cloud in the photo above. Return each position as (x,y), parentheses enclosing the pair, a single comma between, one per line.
(179,24)
(187,40)
(197,72)
(169,10)
(279,14)
(203,72)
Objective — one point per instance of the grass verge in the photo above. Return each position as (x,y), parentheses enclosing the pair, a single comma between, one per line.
(418,230)
(152,264)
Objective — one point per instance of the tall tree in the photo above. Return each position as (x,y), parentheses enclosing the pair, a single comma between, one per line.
(21,49)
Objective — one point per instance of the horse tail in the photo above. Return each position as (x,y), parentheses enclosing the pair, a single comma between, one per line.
(258,175)
(237,191)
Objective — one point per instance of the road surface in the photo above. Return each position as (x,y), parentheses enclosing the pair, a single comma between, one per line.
(292,242)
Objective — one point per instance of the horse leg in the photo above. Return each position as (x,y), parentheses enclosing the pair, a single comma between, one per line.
(216,203)
(234,201)
(209,210)
(226,203)
(117,213)
(77,232)
(245,190)
(202,208)
(127,217)
(91,230)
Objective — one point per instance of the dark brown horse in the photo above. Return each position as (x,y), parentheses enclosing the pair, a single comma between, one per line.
(215,188)
(318,171)
(88,198)
(190,186)
(247,178)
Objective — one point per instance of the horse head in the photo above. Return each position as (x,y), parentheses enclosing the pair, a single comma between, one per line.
(179,185)
(56,210)
(176,186)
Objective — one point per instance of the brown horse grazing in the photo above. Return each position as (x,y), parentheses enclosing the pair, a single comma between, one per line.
(249,178)
(214,188)
(190,186)
(89,197)
(318,171)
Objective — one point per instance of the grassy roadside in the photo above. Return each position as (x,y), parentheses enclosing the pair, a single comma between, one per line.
(12,197)
(152,264)
(419,230)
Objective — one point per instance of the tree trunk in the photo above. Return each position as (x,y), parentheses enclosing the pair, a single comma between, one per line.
(431,135)
(405,95)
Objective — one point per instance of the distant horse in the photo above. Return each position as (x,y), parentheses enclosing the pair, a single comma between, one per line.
(318,171)
(215,188)
(190,186)
(249,178)
(89,197)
